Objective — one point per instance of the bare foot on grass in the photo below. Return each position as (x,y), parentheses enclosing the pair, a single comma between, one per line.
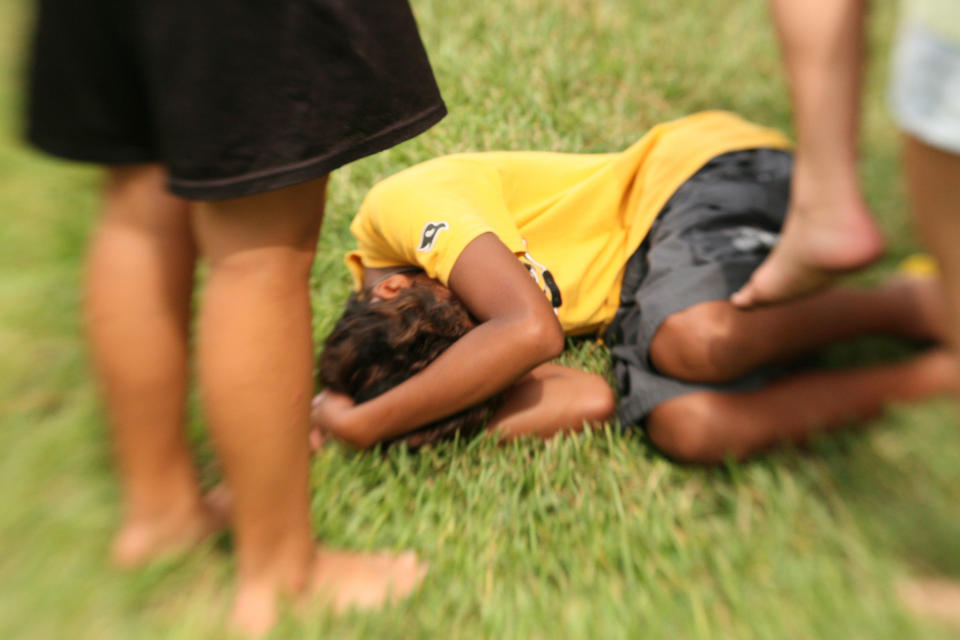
(352,580)
(341,580)
(140,541)
(932,598)
(812,252)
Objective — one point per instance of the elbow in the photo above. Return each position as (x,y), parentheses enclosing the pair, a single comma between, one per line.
(556,341)
(544,336)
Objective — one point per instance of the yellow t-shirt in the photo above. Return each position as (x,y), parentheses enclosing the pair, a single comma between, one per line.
(573,219)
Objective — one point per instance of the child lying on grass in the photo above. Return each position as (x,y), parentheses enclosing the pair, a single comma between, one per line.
(472,268)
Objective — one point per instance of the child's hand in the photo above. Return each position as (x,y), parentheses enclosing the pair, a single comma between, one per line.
(331,415)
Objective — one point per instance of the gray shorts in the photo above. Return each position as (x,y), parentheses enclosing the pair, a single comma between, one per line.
(924,91)
(710,236)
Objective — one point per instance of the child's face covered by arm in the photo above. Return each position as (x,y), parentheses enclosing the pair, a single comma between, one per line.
(387,334)
(515,331)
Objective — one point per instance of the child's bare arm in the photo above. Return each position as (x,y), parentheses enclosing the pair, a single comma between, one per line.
(552,399)
(549,400)
(517,331)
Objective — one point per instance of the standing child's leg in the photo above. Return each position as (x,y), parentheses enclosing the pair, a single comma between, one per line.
(933,177)
(254,365)
(137,302)
(710,426)
(256,376)
(829,228)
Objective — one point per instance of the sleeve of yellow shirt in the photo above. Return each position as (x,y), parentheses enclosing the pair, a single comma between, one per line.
(425,216)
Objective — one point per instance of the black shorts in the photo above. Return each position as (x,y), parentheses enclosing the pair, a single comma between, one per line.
(708,239)
(234,96)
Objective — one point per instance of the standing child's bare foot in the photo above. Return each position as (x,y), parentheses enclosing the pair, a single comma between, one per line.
(342,580)
(350,580)
(812,252)
(932,598)
(142,540)
(254,609)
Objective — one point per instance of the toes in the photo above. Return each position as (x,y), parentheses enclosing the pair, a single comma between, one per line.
(744,298)
(780,279)
(254,611)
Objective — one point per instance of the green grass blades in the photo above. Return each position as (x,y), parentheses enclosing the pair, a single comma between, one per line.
(595,536)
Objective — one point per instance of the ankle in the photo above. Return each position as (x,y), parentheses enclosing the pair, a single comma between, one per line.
(824,181)
(162,501)
(282,568)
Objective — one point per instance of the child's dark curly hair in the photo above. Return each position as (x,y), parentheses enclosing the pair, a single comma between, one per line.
(377,344)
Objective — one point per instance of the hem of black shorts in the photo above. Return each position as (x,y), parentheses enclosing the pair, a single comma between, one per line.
(305,170)
(103,155)
(629,416)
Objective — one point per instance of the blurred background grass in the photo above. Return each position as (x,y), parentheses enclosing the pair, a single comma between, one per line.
(593,536)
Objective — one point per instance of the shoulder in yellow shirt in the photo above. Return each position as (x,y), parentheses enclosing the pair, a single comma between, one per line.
(572,219)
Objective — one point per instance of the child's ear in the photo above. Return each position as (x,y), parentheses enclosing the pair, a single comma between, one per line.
(388,288)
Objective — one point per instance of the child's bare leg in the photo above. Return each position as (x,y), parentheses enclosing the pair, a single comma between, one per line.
(716,341)
(255,370)
(934,180)
(137,302)
(254,357)
(829,229)
(710,426)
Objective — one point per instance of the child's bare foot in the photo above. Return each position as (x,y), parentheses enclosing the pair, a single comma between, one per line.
(254,609)
(934,598)
(349,580)
(811,253)
(935,372)
(143,540)
(341,579)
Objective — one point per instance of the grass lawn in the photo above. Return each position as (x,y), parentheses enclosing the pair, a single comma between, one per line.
(596,536)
